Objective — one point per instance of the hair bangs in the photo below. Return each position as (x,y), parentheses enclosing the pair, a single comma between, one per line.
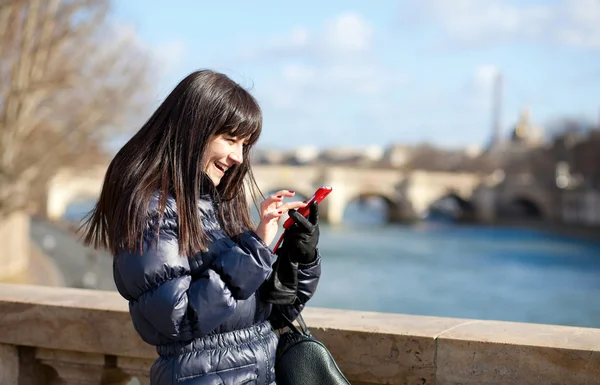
(244,117)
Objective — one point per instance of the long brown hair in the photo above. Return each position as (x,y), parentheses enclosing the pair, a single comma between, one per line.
(165,155)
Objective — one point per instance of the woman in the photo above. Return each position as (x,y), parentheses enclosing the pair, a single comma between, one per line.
(198,276)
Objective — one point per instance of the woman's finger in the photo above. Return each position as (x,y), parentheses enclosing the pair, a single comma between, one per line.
(291,205)
(285,193)
(273,199)
(276,198)
(301,221)
(273,215)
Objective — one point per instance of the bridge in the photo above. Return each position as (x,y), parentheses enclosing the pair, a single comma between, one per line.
(408,195)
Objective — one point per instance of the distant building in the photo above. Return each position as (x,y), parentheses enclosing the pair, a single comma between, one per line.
(525,137)
(303,155)
(525,134)
(267,156)
(374,153)
(341,155)
(473,151)
(397,155)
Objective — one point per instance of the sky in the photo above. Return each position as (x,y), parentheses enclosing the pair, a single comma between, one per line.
(358,73)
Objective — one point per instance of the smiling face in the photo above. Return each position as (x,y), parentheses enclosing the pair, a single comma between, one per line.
(223,152)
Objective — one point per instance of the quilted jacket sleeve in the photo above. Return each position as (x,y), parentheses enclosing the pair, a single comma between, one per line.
(167,304)
(244,265)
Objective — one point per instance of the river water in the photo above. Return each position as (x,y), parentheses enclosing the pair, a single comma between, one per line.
(447,270)
(461,271)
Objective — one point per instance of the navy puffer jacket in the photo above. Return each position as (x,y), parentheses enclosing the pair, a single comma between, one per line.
(204,314)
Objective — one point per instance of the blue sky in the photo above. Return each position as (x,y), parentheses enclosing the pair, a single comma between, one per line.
(357,73)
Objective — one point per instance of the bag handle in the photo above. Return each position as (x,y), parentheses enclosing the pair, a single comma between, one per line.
(304,329)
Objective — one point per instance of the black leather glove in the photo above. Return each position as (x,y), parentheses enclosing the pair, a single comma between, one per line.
(282,286)
(301,239)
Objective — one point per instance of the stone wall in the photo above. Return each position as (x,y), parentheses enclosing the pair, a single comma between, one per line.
(73,336)
(581,207)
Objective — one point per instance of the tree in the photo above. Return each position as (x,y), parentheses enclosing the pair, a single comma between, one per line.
(427,157)
(570,128)
(574,142)
(69,79)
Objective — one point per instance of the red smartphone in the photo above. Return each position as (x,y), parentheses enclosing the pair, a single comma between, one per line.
(319,195)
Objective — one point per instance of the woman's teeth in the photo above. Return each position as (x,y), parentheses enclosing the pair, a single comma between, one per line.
(220,167)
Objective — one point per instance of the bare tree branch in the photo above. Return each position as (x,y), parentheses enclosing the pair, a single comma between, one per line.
(68,80)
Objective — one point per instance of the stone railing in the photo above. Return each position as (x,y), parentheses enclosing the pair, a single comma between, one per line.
(72,336)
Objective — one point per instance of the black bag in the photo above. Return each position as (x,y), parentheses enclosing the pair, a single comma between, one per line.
(302,360)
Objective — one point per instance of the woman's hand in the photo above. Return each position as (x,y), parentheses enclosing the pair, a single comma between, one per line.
(271,209)
(301,239)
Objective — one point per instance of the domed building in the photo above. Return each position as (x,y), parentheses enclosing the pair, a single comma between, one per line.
(523,139)
(525,134)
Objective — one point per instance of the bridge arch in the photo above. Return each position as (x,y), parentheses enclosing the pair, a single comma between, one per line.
(68,188)
(527,207)
(452,204)
(395,210)
(78,207)
(523,205)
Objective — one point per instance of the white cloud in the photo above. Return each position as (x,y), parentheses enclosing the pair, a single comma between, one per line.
(348,33)
(345,34)
(582,23)
(319,72)
(321,78)
(475,22)
(314,94)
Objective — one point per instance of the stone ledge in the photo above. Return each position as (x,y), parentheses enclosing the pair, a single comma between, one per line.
(80,320)
(371,348)
(526,334)
(497,352)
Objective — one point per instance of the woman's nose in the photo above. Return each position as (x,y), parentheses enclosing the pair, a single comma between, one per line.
(237,155)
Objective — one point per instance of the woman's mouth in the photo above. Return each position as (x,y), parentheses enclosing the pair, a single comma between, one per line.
(222,168)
